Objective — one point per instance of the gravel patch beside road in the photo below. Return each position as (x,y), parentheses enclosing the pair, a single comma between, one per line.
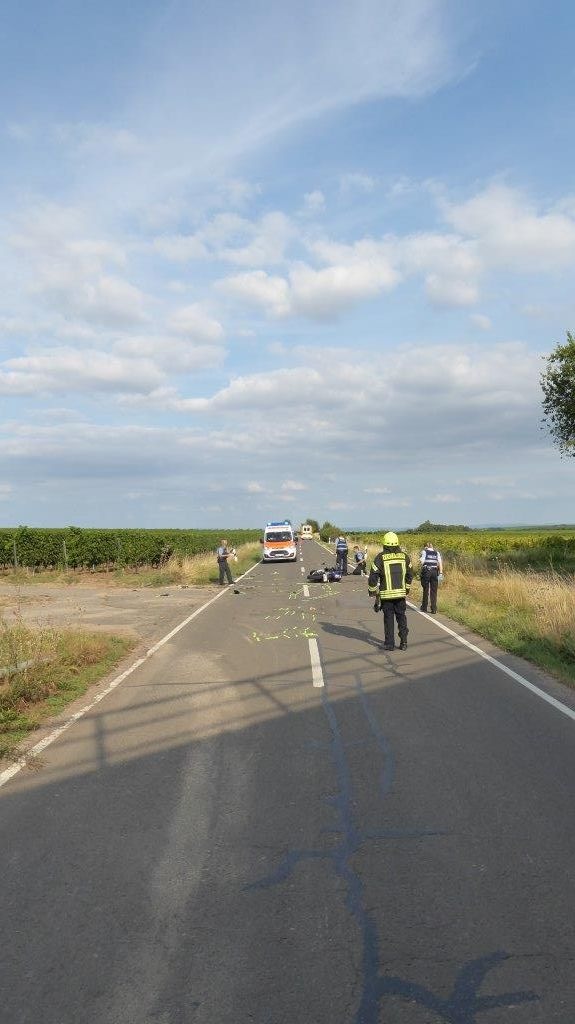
(144,613)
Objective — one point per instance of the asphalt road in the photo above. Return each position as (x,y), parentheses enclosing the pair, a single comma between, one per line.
(224,840)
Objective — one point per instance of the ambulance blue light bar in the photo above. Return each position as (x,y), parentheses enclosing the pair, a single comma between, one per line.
(284,522)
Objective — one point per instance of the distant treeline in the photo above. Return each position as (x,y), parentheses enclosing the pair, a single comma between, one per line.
(428,527)
(75,548)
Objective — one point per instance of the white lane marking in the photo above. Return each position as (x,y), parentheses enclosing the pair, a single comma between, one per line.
(302,568)
(9,773)
(305,590)
(499,664)
(316,670)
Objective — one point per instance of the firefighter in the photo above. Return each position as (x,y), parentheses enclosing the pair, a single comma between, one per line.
(389,581)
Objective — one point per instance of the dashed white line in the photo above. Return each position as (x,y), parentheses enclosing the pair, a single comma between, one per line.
(316,669)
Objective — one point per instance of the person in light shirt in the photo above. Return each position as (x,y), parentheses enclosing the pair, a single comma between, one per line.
(224,553)
(431,569)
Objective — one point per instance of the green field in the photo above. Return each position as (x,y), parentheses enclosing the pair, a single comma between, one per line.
(546,549)
(75,548)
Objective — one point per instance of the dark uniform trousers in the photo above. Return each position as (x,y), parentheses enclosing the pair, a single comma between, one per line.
(394,608)
(341,561)
(429,578)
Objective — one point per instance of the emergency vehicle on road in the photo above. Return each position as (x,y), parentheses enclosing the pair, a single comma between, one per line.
(278,542)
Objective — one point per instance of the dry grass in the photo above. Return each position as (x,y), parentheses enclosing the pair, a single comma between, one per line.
(546,602)
(44,669)
(528,613)
(198,570)
(531,614)
(19,645)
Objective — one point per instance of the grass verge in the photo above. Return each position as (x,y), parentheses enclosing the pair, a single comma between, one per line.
(43,670)
(526,613)
(530,614)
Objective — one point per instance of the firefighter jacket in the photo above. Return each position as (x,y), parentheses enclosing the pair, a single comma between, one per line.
(390,574)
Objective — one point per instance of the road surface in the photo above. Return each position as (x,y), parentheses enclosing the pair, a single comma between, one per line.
(272,820)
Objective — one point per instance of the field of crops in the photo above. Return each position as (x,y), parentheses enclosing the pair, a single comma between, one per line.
(483,549)
(76,548)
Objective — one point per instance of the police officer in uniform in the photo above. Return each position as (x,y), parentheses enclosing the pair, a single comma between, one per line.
(389,580)
(431,567)
(341,554)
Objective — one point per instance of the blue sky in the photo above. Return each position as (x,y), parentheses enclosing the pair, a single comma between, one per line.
(263,261)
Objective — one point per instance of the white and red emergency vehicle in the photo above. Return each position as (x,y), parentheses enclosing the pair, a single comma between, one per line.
(278,542)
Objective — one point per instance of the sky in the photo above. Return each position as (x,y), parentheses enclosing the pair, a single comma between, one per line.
(265,261)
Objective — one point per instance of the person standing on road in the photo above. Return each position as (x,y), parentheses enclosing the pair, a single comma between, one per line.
(431,568)
(389,580)
(341,554)
(223,554)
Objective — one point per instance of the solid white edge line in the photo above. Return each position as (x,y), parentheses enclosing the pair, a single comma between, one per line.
(316,670)
(499,664)
(9,773)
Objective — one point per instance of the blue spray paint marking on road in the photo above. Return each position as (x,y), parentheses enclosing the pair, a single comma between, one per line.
(464,1004)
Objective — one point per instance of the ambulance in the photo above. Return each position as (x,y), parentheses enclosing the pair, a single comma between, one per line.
(278,542)
(306,530)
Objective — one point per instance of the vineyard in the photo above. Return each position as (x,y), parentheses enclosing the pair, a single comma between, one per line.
(76,548)
(486,549)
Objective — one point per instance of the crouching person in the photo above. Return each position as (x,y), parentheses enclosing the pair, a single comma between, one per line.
(389,580)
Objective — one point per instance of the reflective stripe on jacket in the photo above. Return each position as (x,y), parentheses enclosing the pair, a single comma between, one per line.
(390,574)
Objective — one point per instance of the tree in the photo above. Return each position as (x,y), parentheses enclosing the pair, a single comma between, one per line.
(328,530)
(558,384)
(314,524)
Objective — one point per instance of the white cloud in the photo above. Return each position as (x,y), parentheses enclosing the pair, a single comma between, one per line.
(399,188)
(324,293)
(389,50)
(181,248)
(65,369)
(314,202)
(104,299)
(267,245)
(481,321)
(258,288)
(512,232)
(196,324)
(253,487)
(357,182)
(70,267)
(293,485)
(444,499)
(485,397)
(171,354)
(232,239)
(446,292)
(319,294)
